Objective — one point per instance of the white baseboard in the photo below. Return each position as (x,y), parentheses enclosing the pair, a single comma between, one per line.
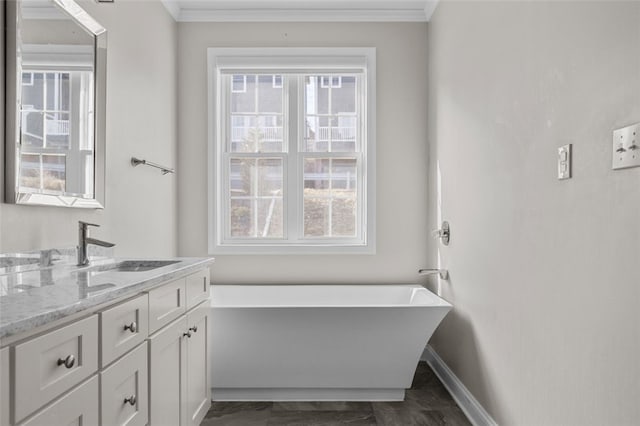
(465,400)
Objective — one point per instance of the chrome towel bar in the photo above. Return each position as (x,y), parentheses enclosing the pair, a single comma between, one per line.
(136,162)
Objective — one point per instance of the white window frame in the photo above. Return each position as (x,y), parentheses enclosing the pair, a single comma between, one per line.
(282,61)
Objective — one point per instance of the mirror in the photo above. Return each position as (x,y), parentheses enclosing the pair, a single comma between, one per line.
(56,74)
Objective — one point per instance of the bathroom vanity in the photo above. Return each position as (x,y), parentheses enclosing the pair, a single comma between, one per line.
(120,342)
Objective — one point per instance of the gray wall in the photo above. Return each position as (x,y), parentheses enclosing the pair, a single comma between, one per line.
(141,213)
(401,150)
(544,273)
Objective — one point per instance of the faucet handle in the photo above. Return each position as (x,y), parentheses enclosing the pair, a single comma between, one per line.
(87,224)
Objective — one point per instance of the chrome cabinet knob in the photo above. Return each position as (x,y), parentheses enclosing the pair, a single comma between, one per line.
(131,400)
(187,334)
(194,329)
(133,327)
(68,362)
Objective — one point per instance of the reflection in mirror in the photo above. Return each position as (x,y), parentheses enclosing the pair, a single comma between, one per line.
(59,63)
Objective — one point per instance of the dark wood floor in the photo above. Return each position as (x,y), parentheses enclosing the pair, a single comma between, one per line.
(427,403)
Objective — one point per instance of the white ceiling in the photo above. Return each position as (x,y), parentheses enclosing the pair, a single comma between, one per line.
(301,10)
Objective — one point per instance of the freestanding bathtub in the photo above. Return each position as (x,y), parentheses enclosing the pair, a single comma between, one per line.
(319,343)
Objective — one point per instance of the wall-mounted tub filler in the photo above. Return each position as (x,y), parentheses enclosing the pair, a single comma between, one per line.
(444,233)
(444,274)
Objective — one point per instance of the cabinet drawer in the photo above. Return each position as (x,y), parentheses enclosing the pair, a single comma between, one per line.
(4,387)
(197,288)
(78,407)
(125,390)
(48,365)
(166,303)
(123,327)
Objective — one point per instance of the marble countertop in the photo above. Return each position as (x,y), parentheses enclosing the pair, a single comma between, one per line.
(39,295)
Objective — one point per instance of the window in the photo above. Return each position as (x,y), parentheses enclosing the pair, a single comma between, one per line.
(56,120)
(292,150)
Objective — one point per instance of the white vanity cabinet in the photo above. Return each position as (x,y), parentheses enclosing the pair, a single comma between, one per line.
(136,362)
(180,394)
(4,387)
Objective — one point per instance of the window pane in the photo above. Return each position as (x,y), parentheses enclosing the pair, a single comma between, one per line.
(57,130)
(343,97)
(243,93)
(343,221)
(330,197)
(54,172)
(32,128)
(316,94)
(316,216)
(256,93)
(255,177)
(33,93)
(331,114)
(30,171)
(270,218)
(256,133)
(256,191)
(269,94)
(58,91)
(241,218)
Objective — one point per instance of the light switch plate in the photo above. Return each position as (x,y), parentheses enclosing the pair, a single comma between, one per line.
(626,147)
(564,162)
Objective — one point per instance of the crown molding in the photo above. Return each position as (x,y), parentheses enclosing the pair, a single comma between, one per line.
(183,11)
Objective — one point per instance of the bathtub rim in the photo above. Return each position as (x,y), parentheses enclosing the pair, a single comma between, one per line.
(441,303)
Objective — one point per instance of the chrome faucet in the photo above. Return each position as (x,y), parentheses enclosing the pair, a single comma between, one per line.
(444,274)
(84,240)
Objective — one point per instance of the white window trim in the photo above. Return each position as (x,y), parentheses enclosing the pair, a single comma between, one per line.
(298,60)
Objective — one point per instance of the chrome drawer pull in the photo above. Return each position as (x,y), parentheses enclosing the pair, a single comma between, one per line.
(133,327)
(188,334)
(194,329)
(68,362)
(131,400)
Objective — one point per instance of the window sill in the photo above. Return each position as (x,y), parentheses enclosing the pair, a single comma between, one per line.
(266,250)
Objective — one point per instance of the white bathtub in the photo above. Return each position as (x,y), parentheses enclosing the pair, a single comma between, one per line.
(319,343)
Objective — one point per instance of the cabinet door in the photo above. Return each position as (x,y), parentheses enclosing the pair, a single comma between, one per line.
(125,390)
(198,400)
(4,387)
(197,286)
(123,327)
(78,407)
(49,365)
(166,303)
(167,363)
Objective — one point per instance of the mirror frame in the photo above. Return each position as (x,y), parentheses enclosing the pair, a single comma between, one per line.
(13,64)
